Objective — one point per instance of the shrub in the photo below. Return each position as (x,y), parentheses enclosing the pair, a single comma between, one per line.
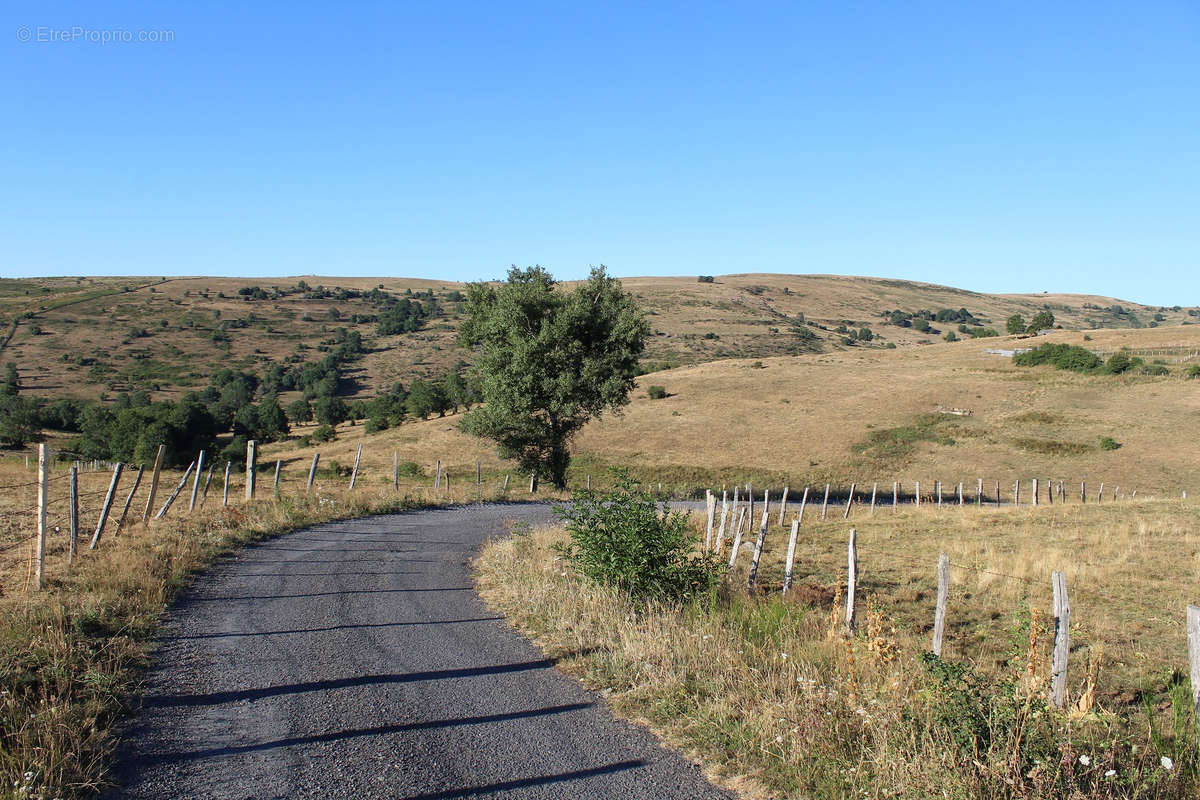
(1109,443)
(410,469)
(1063,356)
(656,392)
(324,433)
(621,539)
(376,424)
(1193,371)
(705,278)
(1156,369)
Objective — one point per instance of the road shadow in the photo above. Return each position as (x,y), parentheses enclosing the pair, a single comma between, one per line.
(329,629)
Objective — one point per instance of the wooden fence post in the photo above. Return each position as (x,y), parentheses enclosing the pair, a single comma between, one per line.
(158,459)
(196,485)
(225,491)
(943,589)
(791,555)
(721,528)
(960,493)
(997,494)
(108,501)
(750,499)
(312,471)
(917,495)
(1193,639)
(737,537)
(979,493)
(937,488)
(588,482)
(437,476)
(354,471)
(1016,494)
(710,501)
(1083,491)
(895,494)
(849,500)
(803,503)
(73,513)
(207,483)
(478,478)
(1062,491)
(137,481)
(506,476)
(162,512)
(43,484)
(532,482)
(275,482)
(758,543)
(874,491)
(1050,490)
(825,502)
(1062,640)
(783,506)
(851,579)
(1035,491)
(1100,494)
(251,468)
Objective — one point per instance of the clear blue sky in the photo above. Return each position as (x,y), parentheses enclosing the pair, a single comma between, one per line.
(1003,146)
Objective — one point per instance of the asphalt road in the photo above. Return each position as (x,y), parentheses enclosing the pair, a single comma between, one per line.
(354,660)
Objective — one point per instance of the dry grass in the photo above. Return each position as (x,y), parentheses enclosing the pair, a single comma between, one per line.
(769,696)
(70,654)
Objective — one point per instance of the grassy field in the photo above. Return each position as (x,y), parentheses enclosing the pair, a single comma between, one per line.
(766,692)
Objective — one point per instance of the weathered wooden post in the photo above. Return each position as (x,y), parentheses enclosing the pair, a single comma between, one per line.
(1062,640)
(1035,491)
(158,459)
(710,500)
(73,513)
(1083,491)
(275,481)
(354,471)
(783,506)
(1016,494)
(1062,492)
(137,481)
(825,502)
(803,503)
(395,470)
(1193,640)
(737,537)
(895,494)
(849,500)
(917,495)
(251,468)
(225,491)
(721,527)
(312,471)
(979,494)
(997,494)
(437,477)
(478,478)
(108,501)
(851,579)
(196,485)
(750,499)
(758,543)
(532,482)
(506,476)
(162,512)
(937,489)
(43,484)
(874,490)
(960,494)
(1050,490)
(588,482)
(1100,494)
(939,616)
(791,555)
(207,483)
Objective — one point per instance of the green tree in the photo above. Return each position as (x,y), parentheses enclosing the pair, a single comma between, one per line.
(425,398)
(300,411)
(330,410)
(1041,321)
(12,382)
(1016,324)
(549,361)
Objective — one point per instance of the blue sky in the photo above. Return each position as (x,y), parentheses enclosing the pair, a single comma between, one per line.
(993,146)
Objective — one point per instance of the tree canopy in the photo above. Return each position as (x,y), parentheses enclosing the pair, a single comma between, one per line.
(548,361)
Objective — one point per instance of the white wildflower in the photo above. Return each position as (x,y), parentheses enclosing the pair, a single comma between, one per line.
(1167,764)
(1087,762)
(1110,773)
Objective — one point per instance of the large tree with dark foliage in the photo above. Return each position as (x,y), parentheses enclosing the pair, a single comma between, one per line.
(548,361)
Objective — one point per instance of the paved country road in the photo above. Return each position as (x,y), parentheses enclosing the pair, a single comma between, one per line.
(354,660)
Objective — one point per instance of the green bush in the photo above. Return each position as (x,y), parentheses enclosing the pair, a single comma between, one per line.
(656,392)
(1156,369)
(324,433)
(1193,371)
(1064,356)
(410,469)
(705,279)
(621,538)
(1109,443)
(376,424)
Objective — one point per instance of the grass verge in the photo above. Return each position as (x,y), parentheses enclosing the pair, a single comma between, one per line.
(769,695)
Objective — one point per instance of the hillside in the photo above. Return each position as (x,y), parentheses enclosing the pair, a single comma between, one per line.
(860,415)
(91,337)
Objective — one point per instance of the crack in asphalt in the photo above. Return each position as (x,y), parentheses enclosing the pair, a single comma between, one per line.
(301,683)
